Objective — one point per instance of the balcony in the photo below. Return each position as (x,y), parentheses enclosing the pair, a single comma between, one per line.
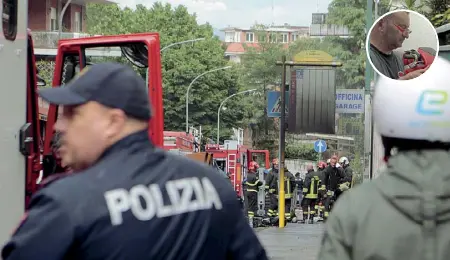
(49,40)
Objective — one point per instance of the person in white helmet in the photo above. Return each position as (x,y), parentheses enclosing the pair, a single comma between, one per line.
(404,214)
(348,171)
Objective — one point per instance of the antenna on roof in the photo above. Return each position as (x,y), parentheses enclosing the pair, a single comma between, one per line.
(273,13)
(318,6)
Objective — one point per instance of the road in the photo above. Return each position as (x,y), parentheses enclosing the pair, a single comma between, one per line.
(295,241)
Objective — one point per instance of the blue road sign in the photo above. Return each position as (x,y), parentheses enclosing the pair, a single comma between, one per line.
(274,103)
(320,146)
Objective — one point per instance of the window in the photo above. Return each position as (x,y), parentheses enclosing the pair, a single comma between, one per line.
(53,19)
(249,37)
(262,38)
(9,19)
(284,38)
(272,37)
(229,37)
(77,22)
(294,37)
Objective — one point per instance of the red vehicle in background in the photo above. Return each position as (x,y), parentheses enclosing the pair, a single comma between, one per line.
(234,159)
(179,142)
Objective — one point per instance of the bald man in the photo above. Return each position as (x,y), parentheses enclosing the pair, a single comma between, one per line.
(387,35)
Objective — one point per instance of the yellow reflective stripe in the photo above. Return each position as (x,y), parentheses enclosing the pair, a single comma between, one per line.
(252,190)
(305,189)
(251,184)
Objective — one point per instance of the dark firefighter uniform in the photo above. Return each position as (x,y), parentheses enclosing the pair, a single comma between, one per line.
(320,207)
(136,202)
(310,195)
(252,184)
(289,188)
(333,177)
(271,187)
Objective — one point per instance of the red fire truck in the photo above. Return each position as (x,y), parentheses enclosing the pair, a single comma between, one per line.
(179,142)
(233,159)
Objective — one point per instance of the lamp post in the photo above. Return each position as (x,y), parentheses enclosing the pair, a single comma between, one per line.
(220,107)
(189,87)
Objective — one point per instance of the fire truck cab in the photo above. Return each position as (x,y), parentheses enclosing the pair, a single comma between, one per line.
(234,159)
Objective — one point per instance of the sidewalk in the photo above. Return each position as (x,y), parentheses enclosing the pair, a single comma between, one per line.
(295,241)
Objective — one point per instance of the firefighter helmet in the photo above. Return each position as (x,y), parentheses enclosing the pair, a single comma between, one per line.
(344,161)
(329,160)
(421,113)
(321,165)
(253,165)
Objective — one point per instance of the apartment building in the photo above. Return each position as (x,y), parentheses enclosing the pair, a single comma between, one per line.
(237,38)
(319,27)
(44,22)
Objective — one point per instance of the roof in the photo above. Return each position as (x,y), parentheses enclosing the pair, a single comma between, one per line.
(239,48)
(270,29)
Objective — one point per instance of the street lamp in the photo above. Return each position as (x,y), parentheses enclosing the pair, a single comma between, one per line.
(189,87)
(179,43)
(220,107)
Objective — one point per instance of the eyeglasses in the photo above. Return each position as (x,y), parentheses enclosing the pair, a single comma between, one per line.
(402,29)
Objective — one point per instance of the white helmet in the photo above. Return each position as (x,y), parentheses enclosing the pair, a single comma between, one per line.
(344,161)
(329,160)
(417,109)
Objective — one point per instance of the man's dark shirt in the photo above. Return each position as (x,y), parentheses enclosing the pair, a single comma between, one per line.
(387,64)
(136,202)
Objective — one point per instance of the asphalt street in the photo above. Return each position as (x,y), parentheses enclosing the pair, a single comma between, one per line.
(295,241)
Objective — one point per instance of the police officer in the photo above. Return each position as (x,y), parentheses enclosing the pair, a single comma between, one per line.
(403,212)
(310,194)
(252,184)
(271,187)
(126,199)
(332,176)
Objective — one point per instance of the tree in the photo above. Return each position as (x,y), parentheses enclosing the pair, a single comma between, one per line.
(259,70)
(180,64)
(301,151)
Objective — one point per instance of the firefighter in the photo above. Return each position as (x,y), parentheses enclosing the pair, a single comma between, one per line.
(299,187)
(271,187)
(126,196)
(320,207)
(310,194)
(348,173)
(289,189)
(252,184)
(403,213)
(332,176)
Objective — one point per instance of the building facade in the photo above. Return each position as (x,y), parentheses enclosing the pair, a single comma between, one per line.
(236,39)
(44,21)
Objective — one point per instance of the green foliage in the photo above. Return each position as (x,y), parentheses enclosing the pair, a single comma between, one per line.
(259,70)
(301,151)
(181,63)
(441,19)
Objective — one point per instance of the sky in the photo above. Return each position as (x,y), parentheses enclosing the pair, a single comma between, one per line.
(245,13)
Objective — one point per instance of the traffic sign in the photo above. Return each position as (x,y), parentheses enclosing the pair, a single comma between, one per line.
(274,103)
(320,146)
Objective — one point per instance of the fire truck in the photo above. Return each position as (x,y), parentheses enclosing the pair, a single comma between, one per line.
(24,150)
(179,142)
(233,159)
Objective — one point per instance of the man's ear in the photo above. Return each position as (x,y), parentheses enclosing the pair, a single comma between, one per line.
(117,121)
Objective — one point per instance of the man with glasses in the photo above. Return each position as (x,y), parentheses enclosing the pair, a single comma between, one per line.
(388,34)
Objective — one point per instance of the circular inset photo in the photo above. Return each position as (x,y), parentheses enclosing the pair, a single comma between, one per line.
(402,45)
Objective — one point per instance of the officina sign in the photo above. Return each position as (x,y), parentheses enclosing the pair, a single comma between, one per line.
(349,101)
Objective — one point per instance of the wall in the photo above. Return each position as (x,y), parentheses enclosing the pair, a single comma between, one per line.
(298,165)
(37,15)
(423,34)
